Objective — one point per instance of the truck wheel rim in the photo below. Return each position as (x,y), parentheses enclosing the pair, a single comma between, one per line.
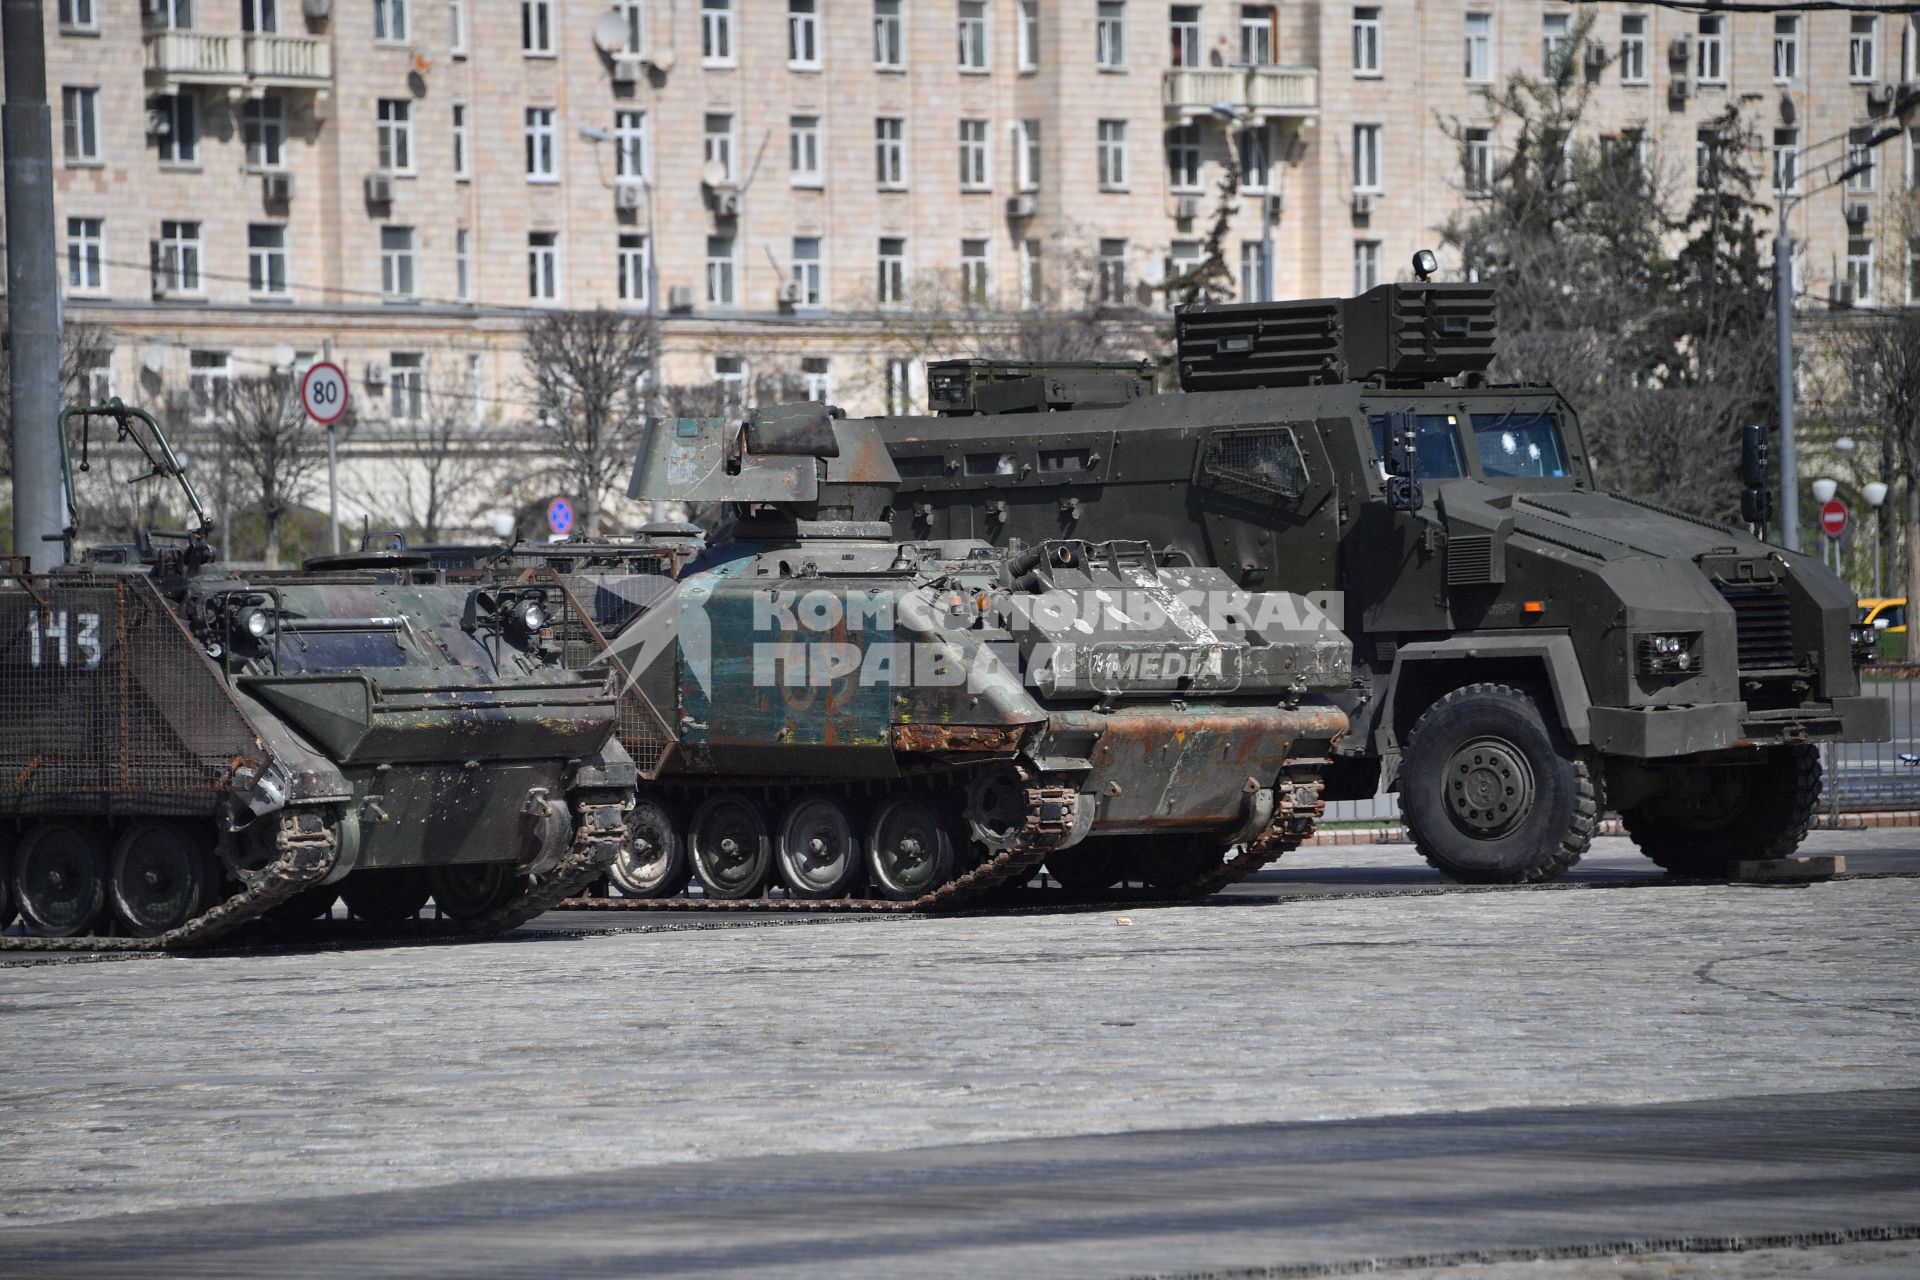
(1489,787)
(818,848)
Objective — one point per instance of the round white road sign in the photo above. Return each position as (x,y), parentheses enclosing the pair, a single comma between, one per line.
(324,392)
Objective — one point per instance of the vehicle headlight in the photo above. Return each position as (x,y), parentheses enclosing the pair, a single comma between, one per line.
(255,622)
(1668,654)
(1864,641)
(533,616)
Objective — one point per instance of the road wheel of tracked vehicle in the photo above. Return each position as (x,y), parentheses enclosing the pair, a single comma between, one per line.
(1492,793)
(386,895)
(908,850)
(160,878)
(469,890)
(652,862)
(1714,816)
(59,878)
(727,843)
(1096,863)
(817,852)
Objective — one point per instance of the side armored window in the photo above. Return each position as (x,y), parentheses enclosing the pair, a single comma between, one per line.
(1257,463)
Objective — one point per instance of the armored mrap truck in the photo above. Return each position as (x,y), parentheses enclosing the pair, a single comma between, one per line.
(1529,648)
(857,723)
(186,748)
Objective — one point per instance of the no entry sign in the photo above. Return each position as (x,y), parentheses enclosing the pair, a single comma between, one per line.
(559,517)
(1833,518)
(324,392)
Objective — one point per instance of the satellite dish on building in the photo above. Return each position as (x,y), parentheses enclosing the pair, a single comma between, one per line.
(422,61)
(713,173)
(154,358)
(610,33)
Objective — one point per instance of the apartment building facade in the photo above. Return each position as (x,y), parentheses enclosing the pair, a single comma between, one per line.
(246,184)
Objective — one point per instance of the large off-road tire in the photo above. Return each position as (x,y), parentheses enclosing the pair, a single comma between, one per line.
(1718,815)
(1491,790)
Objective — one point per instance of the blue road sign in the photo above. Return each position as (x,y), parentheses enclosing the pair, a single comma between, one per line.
(559,517)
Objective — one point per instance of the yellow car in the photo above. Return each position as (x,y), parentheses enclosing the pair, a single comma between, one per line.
(1887,613)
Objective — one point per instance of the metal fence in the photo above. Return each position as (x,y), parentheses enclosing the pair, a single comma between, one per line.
(1866,782)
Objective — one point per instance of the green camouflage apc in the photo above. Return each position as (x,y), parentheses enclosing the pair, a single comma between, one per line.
(1529,648)
(185,748)
(864,724)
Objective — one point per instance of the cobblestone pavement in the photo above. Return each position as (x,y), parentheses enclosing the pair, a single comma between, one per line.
(171,1083)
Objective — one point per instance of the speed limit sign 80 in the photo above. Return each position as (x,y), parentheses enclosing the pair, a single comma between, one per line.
(323,391)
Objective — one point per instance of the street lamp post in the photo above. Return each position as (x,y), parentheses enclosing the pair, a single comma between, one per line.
(1875,492)
(1823,491)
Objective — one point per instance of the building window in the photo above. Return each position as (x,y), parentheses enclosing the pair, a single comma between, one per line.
(262,16)
(95,377)
(1110,34)
(209,379)
(1253,271)
(803,151)
(80,123)
(1366,265)
(975,168)
(390,21)
(393,135)
(536,28)
(1863,47)
(396,263)
(816,377)
(1366,157)
(179,265)
(1861,154)
(463,264)
(719,142)
(973,35)
(716,32)
(720,271)
(1028,159)
(78,15)
(461,165)
(1556,35)
(899,386)
(807,281)
(890,151)
(1786,47)
(1478,161)
(1029,35)
(1183,157)
(1706,159)
(630,146)
(172,15)
(86,254)
(1913,272)
(267,258)
(1860,269)
(1913,155)
(1113,272)
(407,385)
(1366,41)
(540,145)
(889,41)
(891,287)
(1710,63)
(178,126)
(1786,161)
(633,16)
(1259,35)
(457,28)
(632,267)
(1479,46)
(1633,48)
(263,127)
(1183,258)
(730,374)
(803,34)
(1033,275)
(1256,158)
(1183,33)
(975,273)
(543,266)
(1112,155)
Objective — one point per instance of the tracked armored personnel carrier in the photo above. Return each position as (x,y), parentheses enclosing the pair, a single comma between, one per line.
(1529,647)
(828,718)
(185,749)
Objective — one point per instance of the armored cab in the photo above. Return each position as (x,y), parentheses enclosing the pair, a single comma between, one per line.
(1527,643)
(821,709)
(186,748)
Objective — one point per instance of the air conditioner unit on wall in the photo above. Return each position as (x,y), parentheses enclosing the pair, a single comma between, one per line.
(1187,207)
(680,298)
(629,68)
(276,188)
(159,124)
(727,204)
(1679,51)
(1596,53)
(1020,206)
(790,293)
(376,373)
(1879,97)
(1363,204)
(629,195)
(1680,89)
(1858,212)
(379,188)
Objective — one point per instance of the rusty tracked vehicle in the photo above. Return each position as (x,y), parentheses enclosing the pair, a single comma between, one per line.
(827,718)
(186,749)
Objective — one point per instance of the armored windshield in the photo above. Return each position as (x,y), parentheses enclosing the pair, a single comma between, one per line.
(1437,441)
(1520,443)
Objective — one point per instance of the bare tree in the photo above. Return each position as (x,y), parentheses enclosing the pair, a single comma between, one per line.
(274,448)
(1882,352)
(84,347)
(442,465)
(585,373)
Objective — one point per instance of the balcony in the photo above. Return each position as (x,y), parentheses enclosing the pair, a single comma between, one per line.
(238,60)
(1256,93)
